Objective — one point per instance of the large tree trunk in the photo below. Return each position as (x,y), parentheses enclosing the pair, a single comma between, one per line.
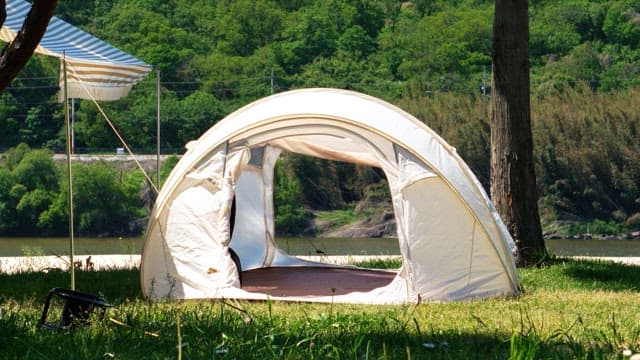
(19,51)
(513,179)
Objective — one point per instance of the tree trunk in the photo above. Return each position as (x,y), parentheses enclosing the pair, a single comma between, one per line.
(19,51)
(3,12)
(513,179)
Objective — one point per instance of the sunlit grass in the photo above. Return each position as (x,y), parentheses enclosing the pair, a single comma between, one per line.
(569,309)
(337,218)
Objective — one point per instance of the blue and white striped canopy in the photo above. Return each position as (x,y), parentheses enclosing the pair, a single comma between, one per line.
(95,69)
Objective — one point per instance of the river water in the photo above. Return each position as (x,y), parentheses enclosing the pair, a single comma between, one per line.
(293,246)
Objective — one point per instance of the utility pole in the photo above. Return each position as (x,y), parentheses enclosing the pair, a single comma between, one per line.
(158,130)
(273,80)
(484,81)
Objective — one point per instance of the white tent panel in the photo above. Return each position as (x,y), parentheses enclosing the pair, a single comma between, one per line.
(250,235)
(484,280)
(438,223)
(200,259)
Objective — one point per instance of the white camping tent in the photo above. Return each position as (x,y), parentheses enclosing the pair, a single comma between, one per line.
(453,244)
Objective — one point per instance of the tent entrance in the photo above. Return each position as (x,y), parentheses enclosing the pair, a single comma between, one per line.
(319,198)
(306,189)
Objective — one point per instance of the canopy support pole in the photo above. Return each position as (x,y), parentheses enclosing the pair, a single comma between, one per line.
(69,176)
(73,126)
(158,132)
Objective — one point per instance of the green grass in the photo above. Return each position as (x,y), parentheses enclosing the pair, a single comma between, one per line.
(337,218)
(378,263)
(569,309)
(595,228)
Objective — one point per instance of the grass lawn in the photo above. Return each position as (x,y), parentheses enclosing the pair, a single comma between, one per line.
(569,310)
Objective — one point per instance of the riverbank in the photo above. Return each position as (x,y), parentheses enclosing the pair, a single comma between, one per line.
(19,264)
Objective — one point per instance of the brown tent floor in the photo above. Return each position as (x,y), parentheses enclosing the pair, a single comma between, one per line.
(313,281)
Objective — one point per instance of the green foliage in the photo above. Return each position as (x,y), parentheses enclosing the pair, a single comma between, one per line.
(34,196)
(394,263)
(245,26)
(36,170)
(167,165)
(100,201)
(621,23)
(430,57)
(228,50)
(29,181)
(290,216)
(149,35)
(523,347)
(444,51)
(9,126)
(336,218)
(597,226)
(587,154)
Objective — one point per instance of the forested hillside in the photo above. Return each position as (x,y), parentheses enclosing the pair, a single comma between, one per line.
(430,57)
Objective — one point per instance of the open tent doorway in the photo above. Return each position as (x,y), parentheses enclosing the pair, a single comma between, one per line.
(452,242)
(332,213)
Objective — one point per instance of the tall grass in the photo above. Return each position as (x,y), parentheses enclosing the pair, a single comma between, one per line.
(570,309)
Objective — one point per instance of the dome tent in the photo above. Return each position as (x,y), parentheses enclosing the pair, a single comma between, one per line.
(453,244)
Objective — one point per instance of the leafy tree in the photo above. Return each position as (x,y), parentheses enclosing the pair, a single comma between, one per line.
(14,155)
(35,130)
(290,216)
(429,56)
(439,49)
(581,65)
(83,12)
(36,170)
(142,32)
(9,125)
(244,26)
(90,129)
(313,32)
(30,183)
(167,166)
(621,23)
(236,79)
(100,203)
(7,202)
(199,112)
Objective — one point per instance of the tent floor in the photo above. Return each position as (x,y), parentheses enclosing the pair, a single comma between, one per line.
(313,281)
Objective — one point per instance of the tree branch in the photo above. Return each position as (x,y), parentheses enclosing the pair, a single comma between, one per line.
(3,11)
(15,55)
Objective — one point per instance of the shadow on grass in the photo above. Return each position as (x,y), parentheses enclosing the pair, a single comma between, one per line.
(211,330)
(229,336)
(599,274)
(114,285)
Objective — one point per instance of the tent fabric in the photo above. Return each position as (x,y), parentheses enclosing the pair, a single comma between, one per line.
(94,68)
(453,244)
